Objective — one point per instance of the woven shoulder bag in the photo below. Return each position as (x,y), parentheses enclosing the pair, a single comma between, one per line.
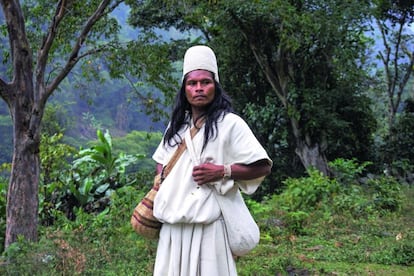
(142,220)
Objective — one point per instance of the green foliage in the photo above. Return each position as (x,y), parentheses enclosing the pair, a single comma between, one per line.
(377,197)
(403,169)
(309,193)
(398,150)
(323,90)
(403,254)
(298,65)
(87,182)
(55,158)
(347,171)
(342,195)
(55,119)
(138,142)
(99,154)
(351,219)
(364,196)
(152,85)
(310,241)
(385,193)
(102,36)
(97,173)
(93,244)
(270,125)
(258,210)
(4,169)
(105,244)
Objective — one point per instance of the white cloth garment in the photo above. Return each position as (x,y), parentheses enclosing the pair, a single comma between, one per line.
(193,240)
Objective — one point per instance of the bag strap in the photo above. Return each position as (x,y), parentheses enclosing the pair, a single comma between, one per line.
(177,154)
(191,150)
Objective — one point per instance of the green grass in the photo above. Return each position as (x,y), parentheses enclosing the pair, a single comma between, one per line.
(329,245)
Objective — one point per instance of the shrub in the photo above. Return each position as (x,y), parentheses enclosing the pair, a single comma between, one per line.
(385,193)
(88,181)
(309,193)
(347,172)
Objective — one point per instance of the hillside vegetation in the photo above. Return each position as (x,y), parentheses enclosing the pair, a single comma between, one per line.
(106,245)
(326,86)
(351,225)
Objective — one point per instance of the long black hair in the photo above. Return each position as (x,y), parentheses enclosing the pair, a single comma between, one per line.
(220,106)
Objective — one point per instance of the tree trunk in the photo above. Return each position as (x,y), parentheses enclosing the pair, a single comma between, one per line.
(26,96)
(311,153)
(26,109)
(312,156)
(22,196)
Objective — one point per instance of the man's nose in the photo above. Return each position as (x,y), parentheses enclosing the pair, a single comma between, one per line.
(198,85)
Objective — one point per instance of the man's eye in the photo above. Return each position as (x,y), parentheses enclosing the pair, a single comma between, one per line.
(202,82)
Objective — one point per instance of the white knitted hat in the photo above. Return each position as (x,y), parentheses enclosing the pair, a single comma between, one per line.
(200,57)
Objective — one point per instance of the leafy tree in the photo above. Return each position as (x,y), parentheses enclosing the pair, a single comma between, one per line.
(398,150)
(310,54)
(396,55)
(31,85)
(46,40)
(393,19)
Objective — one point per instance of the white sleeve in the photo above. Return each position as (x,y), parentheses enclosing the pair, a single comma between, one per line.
(242,147)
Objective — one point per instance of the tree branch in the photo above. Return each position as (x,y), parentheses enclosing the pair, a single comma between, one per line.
(385,59)
(272,77)
(388,75)
(44,50)
(21,52)
(396,69)
(74,56)
(115,5)
(409,69)
(277,77)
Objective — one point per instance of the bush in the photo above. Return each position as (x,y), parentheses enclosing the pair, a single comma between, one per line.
(385,193)
(347,172)
(344,195)
(105,244)
(85,183)
(93,244)
(309,193)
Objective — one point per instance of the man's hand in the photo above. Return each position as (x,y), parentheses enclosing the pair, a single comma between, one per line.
(207,172)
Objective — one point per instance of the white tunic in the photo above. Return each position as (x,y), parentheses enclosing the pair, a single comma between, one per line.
(193,239)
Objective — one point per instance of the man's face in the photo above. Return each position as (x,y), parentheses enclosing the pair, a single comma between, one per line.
(200,88)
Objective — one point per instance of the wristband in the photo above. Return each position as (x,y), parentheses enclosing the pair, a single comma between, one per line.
(227,171)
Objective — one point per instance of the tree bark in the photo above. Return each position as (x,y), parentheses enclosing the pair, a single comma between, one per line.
(26,96)
(312,156)
(22,196)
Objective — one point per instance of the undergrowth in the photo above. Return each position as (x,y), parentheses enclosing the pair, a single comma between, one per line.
(317,226)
